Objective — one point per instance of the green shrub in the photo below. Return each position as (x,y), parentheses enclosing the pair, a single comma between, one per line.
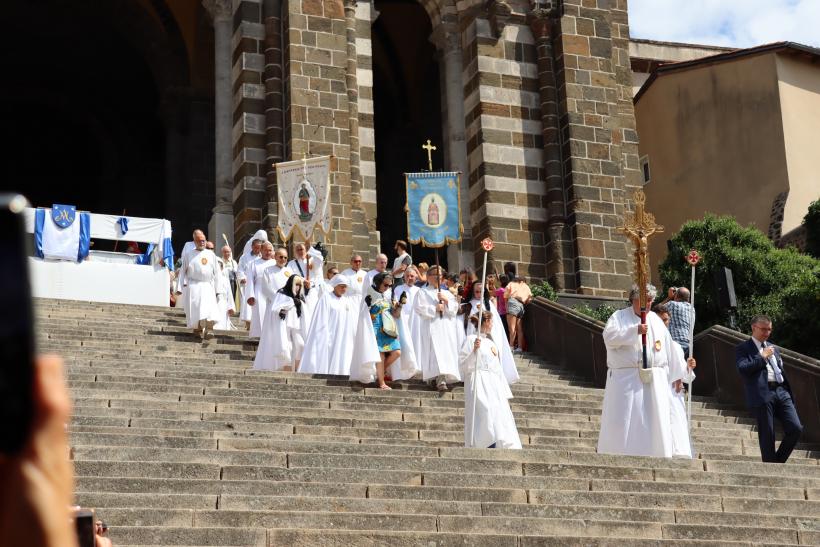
(812,223)
(544,289)
(781,283)
(601,313)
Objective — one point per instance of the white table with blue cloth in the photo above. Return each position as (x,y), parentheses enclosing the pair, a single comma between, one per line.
(66,268)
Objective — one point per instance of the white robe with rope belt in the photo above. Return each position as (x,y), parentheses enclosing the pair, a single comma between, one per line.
(435,336)
(201,279)
(282,340)
(487,394)
(636,417)
(498,333)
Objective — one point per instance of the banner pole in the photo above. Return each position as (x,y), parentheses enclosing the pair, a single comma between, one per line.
(438,271)
(691,354)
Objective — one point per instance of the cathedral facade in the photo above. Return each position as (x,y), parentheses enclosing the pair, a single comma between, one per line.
(535,111)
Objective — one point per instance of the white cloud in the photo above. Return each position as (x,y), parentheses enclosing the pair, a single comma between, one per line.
(736,23)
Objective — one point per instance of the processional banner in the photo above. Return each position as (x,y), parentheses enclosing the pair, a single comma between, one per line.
(303,188)
(433,213)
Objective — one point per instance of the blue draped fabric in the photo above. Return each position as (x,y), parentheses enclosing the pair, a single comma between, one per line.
(145,259)
(39,222)
(123,222)
(85,237)
(168,253)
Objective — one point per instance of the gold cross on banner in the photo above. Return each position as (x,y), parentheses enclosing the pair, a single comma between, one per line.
(637,228)
(429,147)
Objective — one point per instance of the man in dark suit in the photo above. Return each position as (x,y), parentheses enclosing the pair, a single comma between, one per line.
(768,394)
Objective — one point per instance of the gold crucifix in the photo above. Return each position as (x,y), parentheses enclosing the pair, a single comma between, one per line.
(638,228)
(429,147)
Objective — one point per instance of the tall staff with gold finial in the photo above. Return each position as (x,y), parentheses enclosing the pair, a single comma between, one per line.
(638,228)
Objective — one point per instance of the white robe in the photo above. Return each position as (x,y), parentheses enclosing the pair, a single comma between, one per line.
(329,343)
(261,292)
(486,393)
(282,340)
(636,417)
(358,283)
(435,337)
(681,442)
(498,333)
(225,304)
(366,353)
(317,282)
(182,301)
(200,277)
(245,261)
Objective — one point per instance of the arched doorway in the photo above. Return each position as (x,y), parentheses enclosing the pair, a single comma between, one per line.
(99,114)
(407,107)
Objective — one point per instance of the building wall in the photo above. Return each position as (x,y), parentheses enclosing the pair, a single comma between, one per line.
(799,86)
(546,125)
(714,139)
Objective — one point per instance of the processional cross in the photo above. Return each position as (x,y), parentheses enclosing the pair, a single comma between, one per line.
(429,147)
(638,228)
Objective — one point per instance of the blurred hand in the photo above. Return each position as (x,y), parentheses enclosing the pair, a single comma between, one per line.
(678,385)
(691,362)
(38,483)
(643,329)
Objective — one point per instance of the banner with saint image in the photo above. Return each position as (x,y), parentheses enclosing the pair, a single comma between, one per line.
(303,188)
(433,213)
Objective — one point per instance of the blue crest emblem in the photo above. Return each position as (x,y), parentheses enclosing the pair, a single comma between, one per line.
(63,215)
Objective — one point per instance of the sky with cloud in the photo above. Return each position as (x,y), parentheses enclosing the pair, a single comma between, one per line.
(734,23)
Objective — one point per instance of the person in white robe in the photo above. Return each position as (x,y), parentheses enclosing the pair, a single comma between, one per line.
(636,414)
(383,345)
(264,288)
(357,278)
(200,279)
(330,339)
(231,267)
(284,330)
(251,252)
(182,295)
(471,308)
(308,263)
(227,307)
(436,336)
(488,419)
(681,439)
(408,288)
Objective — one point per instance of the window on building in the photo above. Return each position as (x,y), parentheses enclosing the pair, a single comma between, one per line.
(645,169)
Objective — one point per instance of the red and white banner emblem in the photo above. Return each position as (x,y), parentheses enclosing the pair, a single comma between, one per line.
(693,257)
(487,244)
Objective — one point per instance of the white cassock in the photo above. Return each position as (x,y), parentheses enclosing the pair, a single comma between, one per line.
(498,333)
(261,292)
(366,350)
(636,417)
(681,441)
(486,393)
(225,304)
(435,337)
(182,301)
(329,343)
(282,340)
(358,283)
(317,282)
(200,273)
(243,268)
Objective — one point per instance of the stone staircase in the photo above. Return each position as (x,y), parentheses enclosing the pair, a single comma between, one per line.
(177,442)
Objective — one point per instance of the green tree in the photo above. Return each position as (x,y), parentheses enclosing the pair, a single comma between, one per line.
(781,283)
(812,224)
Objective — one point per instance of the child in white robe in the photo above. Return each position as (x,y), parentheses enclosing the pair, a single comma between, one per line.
(471,308)
(488,419)
(284,328)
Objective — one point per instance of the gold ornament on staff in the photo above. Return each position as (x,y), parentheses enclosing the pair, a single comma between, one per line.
(637,228)
(429,147)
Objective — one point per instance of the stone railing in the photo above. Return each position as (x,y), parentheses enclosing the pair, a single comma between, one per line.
(567,338)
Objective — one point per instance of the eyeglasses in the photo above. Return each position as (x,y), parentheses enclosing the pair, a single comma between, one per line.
(388,285)
(356,261)
(764,329)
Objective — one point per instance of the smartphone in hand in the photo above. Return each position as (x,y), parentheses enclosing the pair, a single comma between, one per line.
(16,327)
